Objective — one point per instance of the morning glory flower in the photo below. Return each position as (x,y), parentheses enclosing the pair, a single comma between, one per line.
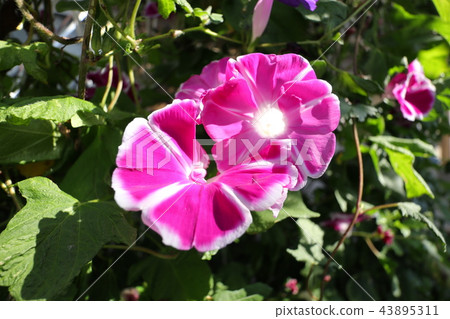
(262,10)
(196,86)
(161,171)
(414,91)
(272,106)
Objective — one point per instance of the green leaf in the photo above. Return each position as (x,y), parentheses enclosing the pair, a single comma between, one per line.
(401,155)
(435,60)
(166,7)
(328,12)
(293,207)
(310,246)
(71,5)
(413,210)
(320,67)
(254,292)
(55,108)
(46,243)
(369,86)
(416,146)
(185,5)
(358,111)
(185,278)
(37,141)
(443,7)
(12,54)
(402,163)
(348,86)
(93,168)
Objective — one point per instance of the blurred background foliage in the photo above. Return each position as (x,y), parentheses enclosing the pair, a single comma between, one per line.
(57,152)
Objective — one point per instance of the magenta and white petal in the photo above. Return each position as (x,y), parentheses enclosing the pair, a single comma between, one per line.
(226,108)
(145,149)
(261,15)
(222,218)
(196,86)
(260,185)
(312,153)
(267,73)
(414,92)
(177,121)
(206,217)
(415,67)
(132,186)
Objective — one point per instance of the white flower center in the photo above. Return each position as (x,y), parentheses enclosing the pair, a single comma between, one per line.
(269,122)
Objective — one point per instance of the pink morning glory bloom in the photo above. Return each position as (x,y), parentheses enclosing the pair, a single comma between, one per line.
(262,10)
(292,286)
(340,221)
(196,86)
(161,169)
(414,91)
(272,106)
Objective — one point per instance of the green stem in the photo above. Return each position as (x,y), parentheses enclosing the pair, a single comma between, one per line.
(219,36)
(109,83)
(84,50)
(280,44)
(118,88)
(105,11)
(142,249)
(172,34)
(46,32)
(133,18)
(350,17)
(133,86)
(378,207)
(357,211)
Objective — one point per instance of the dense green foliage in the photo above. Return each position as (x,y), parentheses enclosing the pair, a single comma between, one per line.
(60,228)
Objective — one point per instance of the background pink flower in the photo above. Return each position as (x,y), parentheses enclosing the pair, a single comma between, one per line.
(292,286)
(161,170)
(414,92)
(272,107)
(196,86)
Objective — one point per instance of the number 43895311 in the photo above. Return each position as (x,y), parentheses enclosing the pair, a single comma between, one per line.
(409,310)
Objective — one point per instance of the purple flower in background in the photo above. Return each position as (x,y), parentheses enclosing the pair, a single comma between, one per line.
(262,10)
(151,10)
(100,79)
(386,235)
(414,92)
(340,222)
(308,4)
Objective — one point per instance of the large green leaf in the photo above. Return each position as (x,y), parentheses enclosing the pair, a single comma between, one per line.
(253,292)
(54,108)
(12,54)
(357,111)
(66,5)
(185,278)
(416,146)
(413,210)
(401,155)
(443,8)
(37,141)
(46,243)
(328,12)
(293,207)
(93,168)
(166,7)
(435,60)
(310,246)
